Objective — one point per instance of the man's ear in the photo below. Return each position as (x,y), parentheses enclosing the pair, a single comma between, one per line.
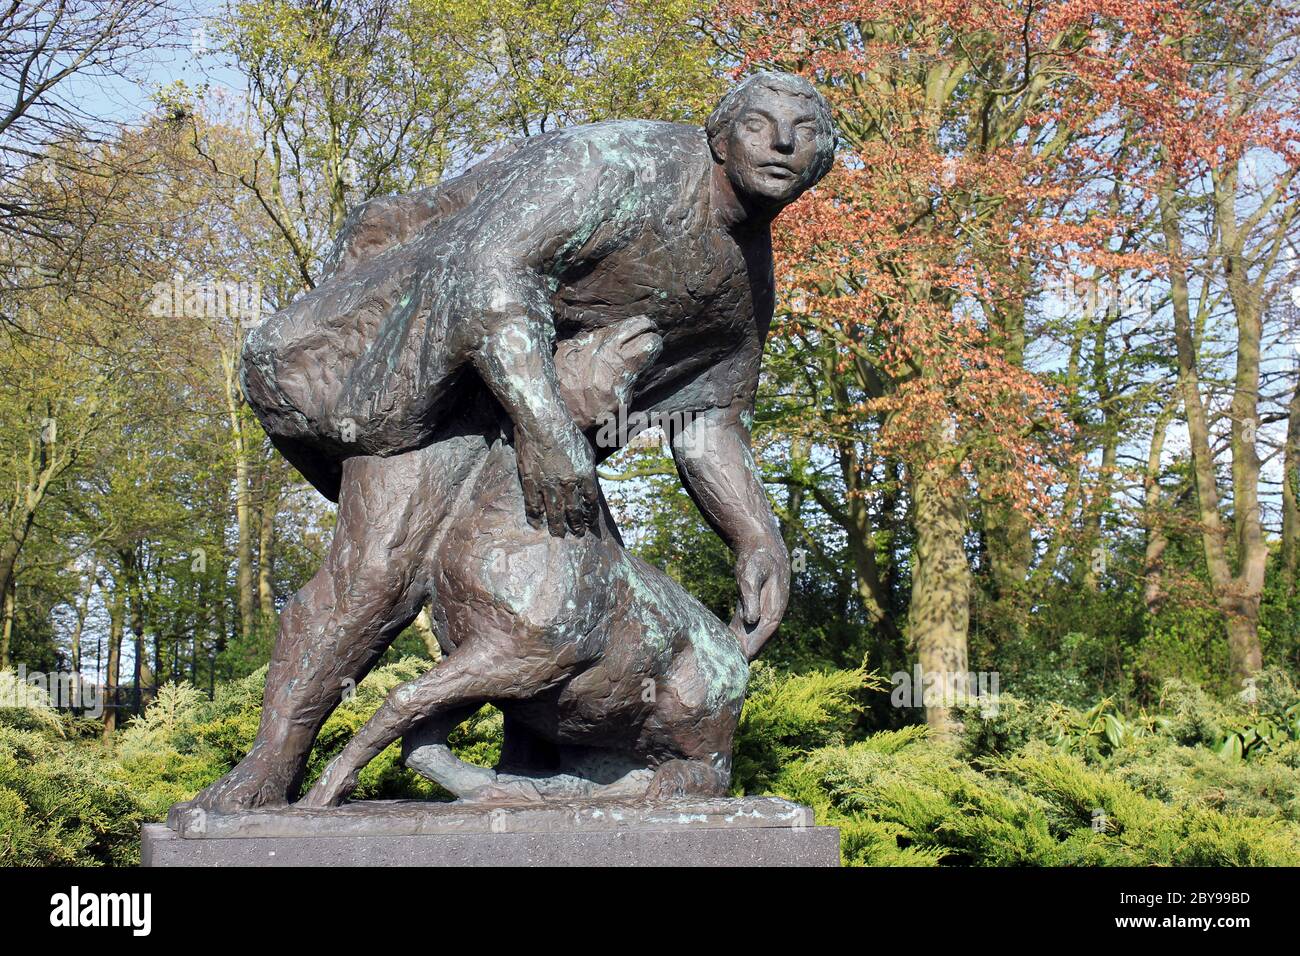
(718,147)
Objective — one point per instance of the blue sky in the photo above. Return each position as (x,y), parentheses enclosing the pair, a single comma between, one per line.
(185,52)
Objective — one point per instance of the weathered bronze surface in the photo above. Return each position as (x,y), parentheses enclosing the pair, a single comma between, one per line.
(452,383)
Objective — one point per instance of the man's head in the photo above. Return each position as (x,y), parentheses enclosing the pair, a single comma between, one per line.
(775,135)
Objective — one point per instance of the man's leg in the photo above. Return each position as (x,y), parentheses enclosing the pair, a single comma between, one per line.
(332,632)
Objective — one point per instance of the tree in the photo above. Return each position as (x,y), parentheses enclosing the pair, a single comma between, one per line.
(49,50)
(967,130)
(1246,64)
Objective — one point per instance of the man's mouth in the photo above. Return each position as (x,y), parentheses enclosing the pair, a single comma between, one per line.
(778,170)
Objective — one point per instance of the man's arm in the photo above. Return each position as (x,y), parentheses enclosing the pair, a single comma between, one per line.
(537,222)
(713,457)
(557,470)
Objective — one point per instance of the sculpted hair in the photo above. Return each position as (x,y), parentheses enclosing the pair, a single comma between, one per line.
(785,84)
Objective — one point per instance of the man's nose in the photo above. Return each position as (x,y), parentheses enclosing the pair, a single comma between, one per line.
(783,137)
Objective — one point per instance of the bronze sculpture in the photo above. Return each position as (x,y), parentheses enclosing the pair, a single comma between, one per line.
(445,384)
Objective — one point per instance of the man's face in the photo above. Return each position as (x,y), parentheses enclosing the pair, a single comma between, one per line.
(772,146)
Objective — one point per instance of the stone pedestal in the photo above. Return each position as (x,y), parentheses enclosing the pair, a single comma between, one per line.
(754,831)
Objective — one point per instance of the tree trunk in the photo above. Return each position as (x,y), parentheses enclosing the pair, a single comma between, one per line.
(244,581)
(27,502)
(1094,549)
(424,627)
(1157,542)
(1236,594)
(790,525)
(135,613)
(7,631)
(939,615)
(116,612)
(1247,519)
(854,517)
(1010,550)
(82,609)
(266,558)
(50,453)
(220,639)
(244,570)
(1008,534)
(1291,494)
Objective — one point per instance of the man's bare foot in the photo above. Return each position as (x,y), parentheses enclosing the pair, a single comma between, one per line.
(686,778)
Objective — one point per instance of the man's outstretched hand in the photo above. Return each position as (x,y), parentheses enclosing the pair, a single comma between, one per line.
(763,574)
(558,475)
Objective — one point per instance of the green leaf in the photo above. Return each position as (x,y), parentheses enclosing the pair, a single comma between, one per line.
(1114,730)
(1230,749)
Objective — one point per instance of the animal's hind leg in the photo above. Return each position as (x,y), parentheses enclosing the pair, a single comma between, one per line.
(426,751)
(469,677)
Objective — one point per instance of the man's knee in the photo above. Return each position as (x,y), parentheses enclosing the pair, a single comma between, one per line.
(374,567)
(389,583)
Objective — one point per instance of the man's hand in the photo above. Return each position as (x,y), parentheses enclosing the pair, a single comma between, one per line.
(718,470)
(558,475)
(763,574)
(557,471)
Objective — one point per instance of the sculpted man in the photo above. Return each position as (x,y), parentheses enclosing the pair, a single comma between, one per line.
(445,383)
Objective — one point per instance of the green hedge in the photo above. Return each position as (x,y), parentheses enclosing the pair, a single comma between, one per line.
(1035,784)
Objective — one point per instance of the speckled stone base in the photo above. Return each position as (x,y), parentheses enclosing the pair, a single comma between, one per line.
(754,831)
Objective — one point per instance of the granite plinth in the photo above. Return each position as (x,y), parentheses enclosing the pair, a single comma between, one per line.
(751,831)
